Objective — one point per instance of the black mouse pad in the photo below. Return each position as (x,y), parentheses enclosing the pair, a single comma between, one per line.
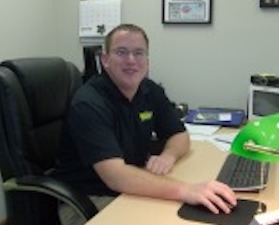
(242,214)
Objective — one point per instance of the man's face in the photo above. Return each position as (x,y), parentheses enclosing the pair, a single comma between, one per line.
(127,60)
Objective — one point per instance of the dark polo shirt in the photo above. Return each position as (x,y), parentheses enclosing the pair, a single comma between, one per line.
(103,124)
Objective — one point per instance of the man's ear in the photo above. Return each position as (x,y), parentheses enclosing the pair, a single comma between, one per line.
(104,59)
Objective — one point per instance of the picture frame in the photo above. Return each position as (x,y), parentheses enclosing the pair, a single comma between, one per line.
(186,11)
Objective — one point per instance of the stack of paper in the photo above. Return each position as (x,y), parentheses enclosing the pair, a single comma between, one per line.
(208,133)
(198,132)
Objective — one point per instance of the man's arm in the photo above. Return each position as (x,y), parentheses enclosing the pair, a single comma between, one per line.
(176,146)
(129,179)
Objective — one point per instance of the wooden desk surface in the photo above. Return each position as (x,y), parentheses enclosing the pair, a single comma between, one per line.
(202,164)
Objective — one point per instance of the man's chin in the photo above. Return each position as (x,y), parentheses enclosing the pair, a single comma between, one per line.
(132,82)
(131,85)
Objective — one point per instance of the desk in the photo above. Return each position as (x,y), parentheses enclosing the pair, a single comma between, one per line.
(202,164)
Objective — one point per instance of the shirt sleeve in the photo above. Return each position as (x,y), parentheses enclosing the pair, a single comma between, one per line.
(167,121)
(91,129)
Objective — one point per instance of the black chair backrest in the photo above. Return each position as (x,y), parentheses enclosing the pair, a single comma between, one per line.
(34,97)
(11,157)
(38,92)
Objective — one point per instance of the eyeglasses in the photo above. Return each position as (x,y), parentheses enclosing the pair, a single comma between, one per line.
(124,53)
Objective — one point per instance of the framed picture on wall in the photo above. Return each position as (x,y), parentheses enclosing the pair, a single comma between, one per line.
(186,11)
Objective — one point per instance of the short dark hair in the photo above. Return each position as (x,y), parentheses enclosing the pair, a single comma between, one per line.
(125,27)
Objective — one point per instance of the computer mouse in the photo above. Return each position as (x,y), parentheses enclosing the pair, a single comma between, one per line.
(242,213)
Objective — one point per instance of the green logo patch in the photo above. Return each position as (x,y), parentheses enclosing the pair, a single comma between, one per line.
(147,115)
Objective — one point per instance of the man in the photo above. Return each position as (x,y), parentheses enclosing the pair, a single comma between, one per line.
(110,127)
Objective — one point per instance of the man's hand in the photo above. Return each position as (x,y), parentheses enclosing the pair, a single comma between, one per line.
(125,178)
(161,164)
(215,196)
(176,146)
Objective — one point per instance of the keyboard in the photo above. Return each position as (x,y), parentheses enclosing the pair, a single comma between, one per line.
(242,174)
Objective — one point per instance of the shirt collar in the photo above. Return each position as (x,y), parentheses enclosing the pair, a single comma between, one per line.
(113,90)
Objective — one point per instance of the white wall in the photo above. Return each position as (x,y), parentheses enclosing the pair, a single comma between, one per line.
(26,28)
(210,64)
(67,40)
(198,64)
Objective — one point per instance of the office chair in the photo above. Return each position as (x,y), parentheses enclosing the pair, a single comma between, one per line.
(34,97)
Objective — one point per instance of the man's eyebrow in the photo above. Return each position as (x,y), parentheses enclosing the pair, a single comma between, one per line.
(135,49)
(120,47)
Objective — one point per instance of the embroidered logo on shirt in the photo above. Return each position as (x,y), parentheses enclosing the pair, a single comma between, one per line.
(147,115)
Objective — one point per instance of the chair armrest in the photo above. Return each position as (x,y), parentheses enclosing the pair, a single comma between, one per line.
(59,190)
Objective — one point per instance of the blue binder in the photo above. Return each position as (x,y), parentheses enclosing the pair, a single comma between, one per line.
(216,116)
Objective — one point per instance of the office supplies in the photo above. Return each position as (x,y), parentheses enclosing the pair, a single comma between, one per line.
(223,141)
(265,79)
(216,116)
(98,17)
(201,129)
(125,209)
(268,218)
(263,95)
(225,138)
(263,101)
(223,146)
(242,214)
(259,140)
(243,174)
